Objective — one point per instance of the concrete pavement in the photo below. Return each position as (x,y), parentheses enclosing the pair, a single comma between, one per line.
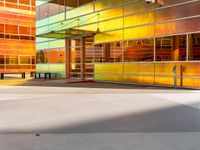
(97,116)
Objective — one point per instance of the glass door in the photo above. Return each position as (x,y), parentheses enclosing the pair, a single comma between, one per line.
(75,58)
(82,58)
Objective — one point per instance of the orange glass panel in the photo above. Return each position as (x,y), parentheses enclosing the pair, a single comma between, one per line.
(53,56)
(12,1)
(1,27)
(26,2)
(11,29)
(16,41)
(24,30)
(62,55)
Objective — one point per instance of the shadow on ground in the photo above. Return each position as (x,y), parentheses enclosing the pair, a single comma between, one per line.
(80,84)
(179,118)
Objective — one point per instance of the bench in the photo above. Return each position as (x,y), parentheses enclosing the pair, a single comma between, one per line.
(22,73)
(32,73)
(47,75)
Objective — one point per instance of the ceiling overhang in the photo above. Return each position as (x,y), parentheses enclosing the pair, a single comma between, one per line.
(67,33)
(70,3)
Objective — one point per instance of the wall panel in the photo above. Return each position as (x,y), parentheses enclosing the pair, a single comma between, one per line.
(109,36)
(139,32)
(150,73)
(176,27)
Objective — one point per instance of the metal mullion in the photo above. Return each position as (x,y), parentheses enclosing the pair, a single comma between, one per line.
(65,4)
(78,4)
(4,61)
(187,49)
(154,50)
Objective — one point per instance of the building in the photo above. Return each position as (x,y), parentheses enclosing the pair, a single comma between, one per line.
(121,40)
(17,36)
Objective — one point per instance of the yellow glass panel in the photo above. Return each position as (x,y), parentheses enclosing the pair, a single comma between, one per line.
(139,32)
(140,19)
(111,24)
(102,4)
(111,13)
(109,36)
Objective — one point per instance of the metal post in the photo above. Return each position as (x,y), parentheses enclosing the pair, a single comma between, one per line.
(65,5)
(35,75)
(181,75)
(175,76)
(187,51)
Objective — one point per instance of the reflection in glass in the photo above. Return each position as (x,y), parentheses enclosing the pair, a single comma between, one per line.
(25,60)
(171,48)
(42,56)
(2,59)
(62,55)
(115,52)
(98,53)
(54,56)
(12,60)
(139,50)
(194,46)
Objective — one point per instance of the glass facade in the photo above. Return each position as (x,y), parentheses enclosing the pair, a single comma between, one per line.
(132,41)
(17,35)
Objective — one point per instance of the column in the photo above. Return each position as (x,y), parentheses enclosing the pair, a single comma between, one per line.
(67,58)
(83,59)
(176,50)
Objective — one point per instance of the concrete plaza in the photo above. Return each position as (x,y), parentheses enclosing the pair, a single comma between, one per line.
(96,116)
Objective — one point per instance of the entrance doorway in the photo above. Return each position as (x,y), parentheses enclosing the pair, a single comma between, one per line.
(81,58)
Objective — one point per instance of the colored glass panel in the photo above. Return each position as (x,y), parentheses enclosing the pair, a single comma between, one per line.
(17,41)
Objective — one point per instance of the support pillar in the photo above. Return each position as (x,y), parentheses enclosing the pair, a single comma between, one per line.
(83,59)
(176,51)
(67,58)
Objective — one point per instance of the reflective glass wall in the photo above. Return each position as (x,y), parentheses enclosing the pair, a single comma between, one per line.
(17,35)
(134,41)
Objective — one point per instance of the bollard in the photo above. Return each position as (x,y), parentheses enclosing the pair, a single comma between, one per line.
(175,76)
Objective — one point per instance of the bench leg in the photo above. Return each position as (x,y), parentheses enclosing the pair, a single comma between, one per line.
(45,76)
(35,75)
(31,74)
(23,75)
(2,76)
(50,76)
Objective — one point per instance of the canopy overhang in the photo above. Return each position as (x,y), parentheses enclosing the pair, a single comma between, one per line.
(67,33)
(70,3)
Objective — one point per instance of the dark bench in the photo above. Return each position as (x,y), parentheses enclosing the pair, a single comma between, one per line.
(22,73)
(47,75)
(32,73)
